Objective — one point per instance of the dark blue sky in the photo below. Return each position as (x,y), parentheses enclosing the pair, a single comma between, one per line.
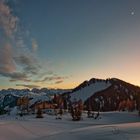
(80,39)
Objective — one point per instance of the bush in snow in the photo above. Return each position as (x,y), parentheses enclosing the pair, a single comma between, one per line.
(39,113)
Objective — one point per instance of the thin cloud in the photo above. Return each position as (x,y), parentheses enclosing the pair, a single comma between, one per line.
(34,45)
(28,86)
(8,22)
(7,64)
(51,79)
(58,82)
(17,61)
(29,64)
(16,76)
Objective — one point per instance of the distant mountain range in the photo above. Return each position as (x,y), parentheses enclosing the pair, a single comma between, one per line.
(96,94)
(8,97)
(22,92)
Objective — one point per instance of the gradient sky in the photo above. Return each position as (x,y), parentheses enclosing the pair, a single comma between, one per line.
(61,43)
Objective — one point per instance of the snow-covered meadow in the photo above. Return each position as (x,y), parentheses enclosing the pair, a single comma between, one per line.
(109,126)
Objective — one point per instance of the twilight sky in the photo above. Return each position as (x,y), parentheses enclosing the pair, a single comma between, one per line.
(61,43)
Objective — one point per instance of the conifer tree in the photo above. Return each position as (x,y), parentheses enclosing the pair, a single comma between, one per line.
(39,113)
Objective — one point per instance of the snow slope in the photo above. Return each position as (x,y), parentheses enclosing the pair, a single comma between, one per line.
(111,126)
(89,90)
(39,99)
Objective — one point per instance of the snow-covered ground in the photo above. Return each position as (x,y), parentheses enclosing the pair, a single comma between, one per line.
(88,91)
(110,126)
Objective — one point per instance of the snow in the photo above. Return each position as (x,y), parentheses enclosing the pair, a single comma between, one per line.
(14,111)
(39,99)
(131,97)
(111,126)
(88,91)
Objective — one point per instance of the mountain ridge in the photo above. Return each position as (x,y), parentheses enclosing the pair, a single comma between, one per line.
(106,93)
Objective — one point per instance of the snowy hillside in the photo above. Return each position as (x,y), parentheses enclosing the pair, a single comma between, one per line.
(39,99)
(88,90)
(110,126)
(107,95)
(9,97)
(118,96)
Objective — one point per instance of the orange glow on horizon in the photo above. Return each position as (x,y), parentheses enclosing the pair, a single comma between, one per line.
(64,85)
